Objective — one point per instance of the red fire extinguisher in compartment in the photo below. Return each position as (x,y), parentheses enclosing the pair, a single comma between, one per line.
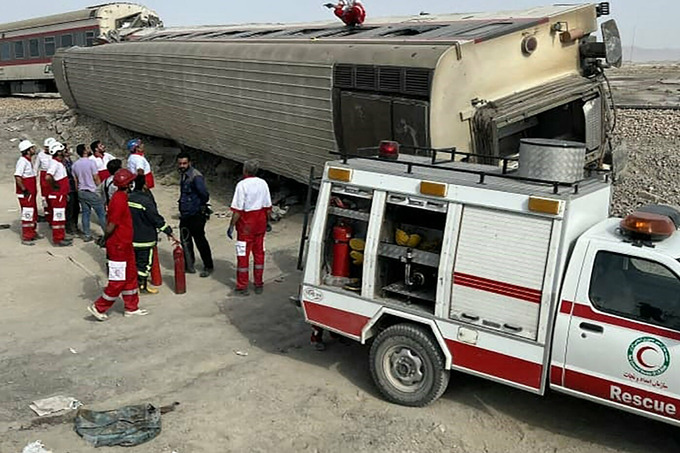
(341,236)
(180,276)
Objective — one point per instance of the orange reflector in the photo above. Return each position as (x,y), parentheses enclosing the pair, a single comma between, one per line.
(545,205)
(645,225)
(433,188)
(340,174)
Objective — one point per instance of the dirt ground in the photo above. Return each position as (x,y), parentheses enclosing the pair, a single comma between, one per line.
(283,396)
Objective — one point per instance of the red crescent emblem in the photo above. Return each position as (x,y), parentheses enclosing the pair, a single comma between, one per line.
(641,351)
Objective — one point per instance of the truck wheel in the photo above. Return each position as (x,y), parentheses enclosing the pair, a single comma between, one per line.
(407,365)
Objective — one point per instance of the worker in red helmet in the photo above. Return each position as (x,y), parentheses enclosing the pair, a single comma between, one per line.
(59,185)
(27,192)
(122,267)
(351,12)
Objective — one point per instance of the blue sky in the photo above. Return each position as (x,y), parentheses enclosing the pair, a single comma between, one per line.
(651,23)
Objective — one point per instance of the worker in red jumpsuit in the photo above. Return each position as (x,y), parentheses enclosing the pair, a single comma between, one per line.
(44,161)
(57,180)
(27,192)
(351,12)
(121,254)
(250,209)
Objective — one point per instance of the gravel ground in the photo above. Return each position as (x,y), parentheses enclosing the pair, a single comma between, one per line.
(651,138)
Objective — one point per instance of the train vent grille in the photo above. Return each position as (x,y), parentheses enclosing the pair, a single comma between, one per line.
(390,79)
(417,81)
(343,76)
(366,77)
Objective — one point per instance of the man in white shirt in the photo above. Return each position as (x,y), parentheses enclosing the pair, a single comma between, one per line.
(101,158)
(250,207)
(27,192)
(57,178)
(43,164)
(138,164)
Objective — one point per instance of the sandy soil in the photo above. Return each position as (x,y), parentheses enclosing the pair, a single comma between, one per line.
(283,396)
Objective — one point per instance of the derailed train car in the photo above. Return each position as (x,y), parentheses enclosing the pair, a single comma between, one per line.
(27,46)
(291,94)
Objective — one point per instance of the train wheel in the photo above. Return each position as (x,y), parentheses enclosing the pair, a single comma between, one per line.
(407,365)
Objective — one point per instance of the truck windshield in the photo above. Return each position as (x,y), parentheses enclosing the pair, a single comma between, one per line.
(636,288)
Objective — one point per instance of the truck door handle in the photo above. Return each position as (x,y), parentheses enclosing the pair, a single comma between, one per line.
(591,327)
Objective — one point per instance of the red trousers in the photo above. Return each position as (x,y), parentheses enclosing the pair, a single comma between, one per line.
(29,210)
(244,247)
(57,203)
(45,191)
(122,280)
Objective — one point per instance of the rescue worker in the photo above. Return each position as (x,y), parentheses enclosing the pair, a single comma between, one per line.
(107,188)
(121,255)
(57,179)
(250,207)
(351,12)
(137,163)
(87,180)
(27,193)
(146,222)
(72,206)
(43,164)
(101,158)
(194,211)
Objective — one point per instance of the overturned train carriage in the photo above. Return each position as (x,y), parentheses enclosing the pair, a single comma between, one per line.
(292,94)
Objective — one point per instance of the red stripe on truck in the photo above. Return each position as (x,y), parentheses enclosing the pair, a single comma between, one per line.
(496,287)
(496,364)
(636,398)
(344,321)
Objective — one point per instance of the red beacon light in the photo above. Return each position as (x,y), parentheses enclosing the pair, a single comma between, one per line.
(647,226)
(388,150)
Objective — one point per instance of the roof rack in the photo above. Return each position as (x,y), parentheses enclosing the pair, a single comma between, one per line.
(436,163)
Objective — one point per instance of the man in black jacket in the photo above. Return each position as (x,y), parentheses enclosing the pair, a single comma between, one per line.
(146,222)
(194,211)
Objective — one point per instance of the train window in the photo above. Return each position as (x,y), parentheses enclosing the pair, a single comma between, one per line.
(18,49)
(89,39)
(66,40)
(5,51)
(49,46)
(34,48)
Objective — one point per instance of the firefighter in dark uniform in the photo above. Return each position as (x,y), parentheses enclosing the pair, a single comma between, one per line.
(146,223)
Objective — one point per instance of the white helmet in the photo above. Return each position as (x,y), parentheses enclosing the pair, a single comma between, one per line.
(55,147)
(25,145)
(48,142)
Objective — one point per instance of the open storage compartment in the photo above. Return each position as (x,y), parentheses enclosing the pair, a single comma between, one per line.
(409,250)
(344,240)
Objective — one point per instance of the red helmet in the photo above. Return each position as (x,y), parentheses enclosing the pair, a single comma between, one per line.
(123,177)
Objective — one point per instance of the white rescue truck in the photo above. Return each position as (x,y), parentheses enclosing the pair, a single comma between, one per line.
(516,277)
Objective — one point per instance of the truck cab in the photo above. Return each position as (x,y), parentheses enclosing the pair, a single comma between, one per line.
(617,333)
(520,277)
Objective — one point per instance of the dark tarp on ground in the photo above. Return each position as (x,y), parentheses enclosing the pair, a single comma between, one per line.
(127,426)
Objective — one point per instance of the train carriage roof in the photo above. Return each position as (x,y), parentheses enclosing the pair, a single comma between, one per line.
(57,19)
(444,28)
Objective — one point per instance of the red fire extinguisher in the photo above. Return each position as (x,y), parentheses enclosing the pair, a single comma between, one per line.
(180,276)
(341,236)
(156,278)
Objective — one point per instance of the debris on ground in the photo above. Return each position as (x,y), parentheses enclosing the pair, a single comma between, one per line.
(241,353)
(127,426)
(54,405)
(36,447)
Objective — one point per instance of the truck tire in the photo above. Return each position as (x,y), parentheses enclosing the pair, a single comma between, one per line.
(407,365)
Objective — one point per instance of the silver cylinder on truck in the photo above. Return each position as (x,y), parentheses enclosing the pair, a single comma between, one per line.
(551,160)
